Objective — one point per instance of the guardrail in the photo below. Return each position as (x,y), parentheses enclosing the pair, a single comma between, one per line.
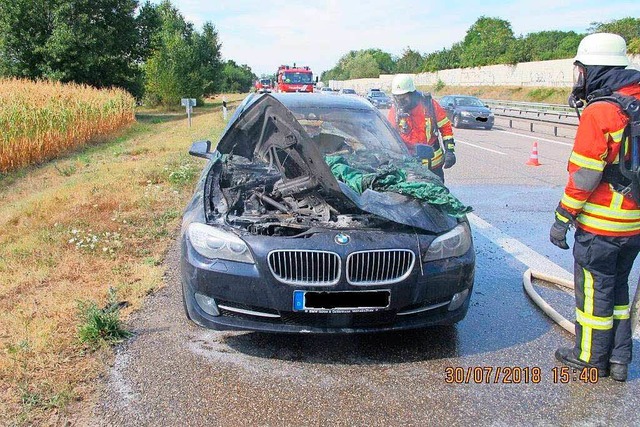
(555,116)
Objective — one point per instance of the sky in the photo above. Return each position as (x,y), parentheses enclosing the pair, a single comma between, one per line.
(265,34)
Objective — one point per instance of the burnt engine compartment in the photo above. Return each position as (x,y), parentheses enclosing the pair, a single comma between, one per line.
(255,197)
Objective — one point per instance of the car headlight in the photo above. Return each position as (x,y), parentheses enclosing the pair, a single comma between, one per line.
(452,243)
(213,243)
(466,113)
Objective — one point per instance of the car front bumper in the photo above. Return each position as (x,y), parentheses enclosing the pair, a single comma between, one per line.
(248,297)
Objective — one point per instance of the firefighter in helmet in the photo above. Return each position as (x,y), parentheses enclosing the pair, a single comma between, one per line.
(601,202)
(419,119)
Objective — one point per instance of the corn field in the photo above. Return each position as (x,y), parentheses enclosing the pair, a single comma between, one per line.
(41,120)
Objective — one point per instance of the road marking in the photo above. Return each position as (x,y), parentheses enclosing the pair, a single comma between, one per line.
(482,148)
(517,249)
(535,137)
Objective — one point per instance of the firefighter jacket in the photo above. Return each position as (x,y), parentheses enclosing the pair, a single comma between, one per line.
(423,124)
(597,207)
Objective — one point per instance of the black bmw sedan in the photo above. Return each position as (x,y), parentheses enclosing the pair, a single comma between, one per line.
(310,217)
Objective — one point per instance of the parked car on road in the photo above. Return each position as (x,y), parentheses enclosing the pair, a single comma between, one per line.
(275,239)
(379,99)
(469,111)
(347,91)
(328,90)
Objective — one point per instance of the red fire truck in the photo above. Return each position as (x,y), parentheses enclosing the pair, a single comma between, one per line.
(294,79)
(263,85)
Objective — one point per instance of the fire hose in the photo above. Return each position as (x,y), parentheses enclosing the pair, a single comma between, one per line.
(566,324)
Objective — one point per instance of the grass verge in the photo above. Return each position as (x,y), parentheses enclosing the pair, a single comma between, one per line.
(74,232)
(547,95)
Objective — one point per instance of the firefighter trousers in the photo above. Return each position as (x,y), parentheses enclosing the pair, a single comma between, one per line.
(601,269)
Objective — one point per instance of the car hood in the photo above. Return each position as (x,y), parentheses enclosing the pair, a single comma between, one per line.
(268,131)
(475,110)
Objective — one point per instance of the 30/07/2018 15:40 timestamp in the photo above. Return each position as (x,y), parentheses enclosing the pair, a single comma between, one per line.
(517,375)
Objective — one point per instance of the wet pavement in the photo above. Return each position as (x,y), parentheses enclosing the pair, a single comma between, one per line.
(493,368)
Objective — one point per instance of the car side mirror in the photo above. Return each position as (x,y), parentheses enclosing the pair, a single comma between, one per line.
(450,105)
(201,149)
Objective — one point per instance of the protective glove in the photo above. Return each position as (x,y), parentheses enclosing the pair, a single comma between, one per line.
(449,159)
(558,232)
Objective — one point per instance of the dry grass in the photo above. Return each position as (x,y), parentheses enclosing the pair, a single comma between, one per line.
(70,230)
(548,95)
(41,120)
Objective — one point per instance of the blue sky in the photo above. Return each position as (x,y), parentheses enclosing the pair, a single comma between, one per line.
(264,34)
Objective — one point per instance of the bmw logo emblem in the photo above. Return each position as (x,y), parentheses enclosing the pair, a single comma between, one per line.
(342,239)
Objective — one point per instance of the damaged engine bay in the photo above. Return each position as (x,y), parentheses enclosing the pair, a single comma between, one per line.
(273,180)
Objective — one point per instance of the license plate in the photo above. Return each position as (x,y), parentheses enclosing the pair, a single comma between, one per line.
(341,301)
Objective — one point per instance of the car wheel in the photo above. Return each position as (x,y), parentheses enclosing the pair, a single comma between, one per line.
(456,121)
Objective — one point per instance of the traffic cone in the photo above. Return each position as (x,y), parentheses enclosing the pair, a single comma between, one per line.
(533,158)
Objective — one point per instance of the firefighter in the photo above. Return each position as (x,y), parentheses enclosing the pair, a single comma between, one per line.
(597,200)
(419,119)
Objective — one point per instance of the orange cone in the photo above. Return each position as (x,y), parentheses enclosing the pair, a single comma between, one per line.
(533,158)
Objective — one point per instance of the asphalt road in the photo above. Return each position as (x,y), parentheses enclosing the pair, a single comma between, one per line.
(175,373)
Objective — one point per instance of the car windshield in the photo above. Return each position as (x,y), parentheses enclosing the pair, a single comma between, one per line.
(348,91)
(379,94)
(265,81)
(298,78)
(349,130)
(468,102)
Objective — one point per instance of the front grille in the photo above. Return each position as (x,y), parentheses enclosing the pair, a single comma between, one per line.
(301,267)
(379,267)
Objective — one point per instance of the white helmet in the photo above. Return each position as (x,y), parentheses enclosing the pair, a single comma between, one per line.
(603,49)
(401,84)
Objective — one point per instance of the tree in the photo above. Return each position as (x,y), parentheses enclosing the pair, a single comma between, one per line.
(185,63)
(628,28)
(85,41)
(410,62)
(236,78)
(486,42)
(363,65)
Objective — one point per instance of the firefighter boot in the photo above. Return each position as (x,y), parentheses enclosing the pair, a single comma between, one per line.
(565,355)
(618,371)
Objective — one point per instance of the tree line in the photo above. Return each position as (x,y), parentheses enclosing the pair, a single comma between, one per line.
(148,49)
(488,41)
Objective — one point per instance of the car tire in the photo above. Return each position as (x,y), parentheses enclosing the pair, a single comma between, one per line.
(456,121)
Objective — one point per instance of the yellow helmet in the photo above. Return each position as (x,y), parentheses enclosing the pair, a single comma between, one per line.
(401,84)
(603,49)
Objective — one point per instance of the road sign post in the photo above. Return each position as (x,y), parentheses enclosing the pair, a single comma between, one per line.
(189,103)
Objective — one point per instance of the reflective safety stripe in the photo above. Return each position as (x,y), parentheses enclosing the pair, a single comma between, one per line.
(438,158)
(585,342)
(617,135)
(562,217)
(607,225)
(443,122)
(571,202)
(616,200)
(610,212)
(621,312)
(595,322)
(586,162)
(445,137)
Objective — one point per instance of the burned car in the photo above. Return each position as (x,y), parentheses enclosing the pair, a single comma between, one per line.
(311,217)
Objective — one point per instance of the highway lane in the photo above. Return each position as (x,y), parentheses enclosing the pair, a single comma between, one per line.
(175,373)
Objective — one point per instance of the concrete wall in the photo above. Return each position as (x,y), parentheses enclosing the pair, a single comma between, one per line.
(556,73)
